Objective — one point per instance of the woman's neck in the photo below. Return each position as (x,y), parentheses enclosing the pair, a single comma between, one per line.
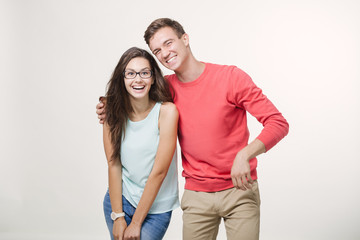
(141,109)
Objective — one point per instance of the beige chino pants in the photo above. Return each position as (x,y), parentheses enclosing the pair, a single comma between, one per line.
(202,213)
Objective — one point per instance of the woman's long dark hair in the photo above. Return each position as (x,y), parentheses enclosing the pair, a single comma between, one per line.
(118,106)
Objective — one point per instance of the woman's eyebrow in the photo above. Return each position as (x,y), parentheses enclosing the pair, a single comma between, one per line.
(145,68)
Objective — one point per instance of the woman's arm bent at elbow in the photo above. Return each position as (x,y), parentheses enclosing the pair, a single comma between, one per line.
(168,124)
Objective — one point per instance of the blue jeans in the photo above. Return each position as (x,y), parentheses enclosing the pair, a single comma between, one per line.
(153,227)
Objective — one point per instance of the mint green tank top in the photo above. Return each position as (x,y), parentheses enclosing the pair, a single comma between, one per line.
(138,151)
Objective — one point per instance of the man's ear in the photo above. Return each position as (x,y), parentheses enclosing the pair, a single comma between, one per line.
(185,38)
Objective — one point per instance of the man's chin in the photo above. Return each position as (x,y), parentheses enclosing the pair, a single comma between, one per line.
(172,67)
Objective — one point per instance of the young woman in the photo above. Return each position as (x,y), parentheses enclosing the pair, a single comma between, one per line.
(140,134)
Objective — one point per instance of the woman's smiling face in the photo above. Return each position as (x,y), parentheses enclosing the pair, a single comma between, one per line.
(139,86)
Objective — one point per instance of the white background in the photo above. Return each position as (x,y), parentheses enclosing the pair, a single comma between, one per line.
(57,56)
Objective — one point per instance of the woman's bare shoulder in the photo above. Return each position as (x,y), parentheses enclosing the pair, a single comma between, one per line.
(168,109)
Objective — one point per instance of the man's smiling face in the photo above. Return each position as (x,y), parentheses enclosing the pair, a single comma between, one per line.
(169,49)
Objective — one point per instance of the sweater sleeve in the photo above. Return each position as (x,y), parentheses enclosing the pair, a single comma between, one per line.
(248,96)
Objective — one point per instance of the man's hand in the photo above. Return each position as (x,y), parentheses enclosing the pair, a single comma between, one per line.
(240,172)
(100,109)
(132,232)
(119,228)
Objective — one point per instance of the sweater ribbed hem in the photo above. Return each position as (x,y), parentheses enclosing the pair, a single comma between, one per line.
(212,184)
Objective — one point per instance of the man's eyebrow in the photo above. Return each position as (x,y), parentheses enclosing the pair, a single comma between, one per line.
(170,39)
(167,40)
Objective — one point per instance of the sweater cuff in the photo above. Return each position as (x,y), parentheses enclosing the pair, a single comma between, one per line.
(268,139)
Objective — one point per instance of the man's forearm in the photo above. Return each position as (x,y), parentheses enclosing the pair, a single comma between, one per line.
(252,150)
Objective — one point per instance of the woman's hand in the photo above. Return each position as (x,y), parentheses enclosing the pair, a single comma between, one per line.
(119,228)
(132,232)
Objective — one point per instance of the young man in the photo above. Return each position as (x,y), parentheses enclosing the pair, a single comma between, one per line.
(219,164)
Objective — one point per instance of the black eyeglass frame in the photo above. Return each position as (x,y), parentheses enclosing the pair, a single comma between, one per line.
(136,73)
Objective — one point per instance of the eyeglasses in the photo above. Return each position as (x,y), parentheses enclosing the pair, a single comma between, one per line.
(128,74)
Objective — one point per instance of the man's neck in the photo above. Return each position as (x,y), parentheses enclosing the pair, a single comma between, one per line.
(190,71)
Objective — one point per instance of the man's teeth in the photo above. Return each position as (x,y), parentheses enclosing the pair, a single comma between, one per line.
(170,60)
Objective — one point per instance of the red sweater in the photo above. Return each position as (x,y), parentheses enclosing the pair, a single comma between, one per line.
(213,125)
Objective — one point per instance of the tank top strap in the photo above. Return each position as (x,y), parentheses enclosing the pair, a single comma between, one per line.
(156,109)
(154,114)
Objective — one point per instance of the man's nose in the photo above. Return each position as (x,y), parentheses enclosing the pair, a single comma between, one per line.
(165,53)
